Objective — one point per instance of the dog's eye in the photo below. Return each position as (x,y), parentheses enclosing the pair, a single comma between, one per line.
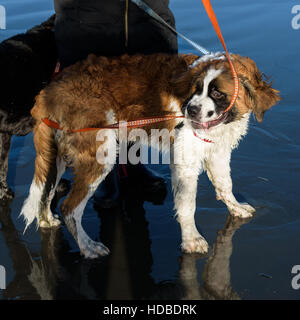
(215,94)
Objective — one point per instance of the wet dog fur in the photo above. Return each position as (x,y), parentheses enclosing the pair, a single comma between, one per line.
(100,91)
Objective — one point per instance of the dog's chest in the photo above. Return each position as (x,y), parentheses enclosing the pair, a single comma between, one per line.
(198,147)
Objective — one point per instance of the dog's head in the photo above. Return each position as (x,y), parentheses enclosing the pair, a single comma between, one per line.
(207,87)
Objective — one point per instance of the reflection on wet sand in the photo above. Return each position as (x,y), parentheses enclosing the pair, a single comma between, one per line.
(127,274)
(43,276)
(216,273)
(37,275)
(33,275)
(57,273)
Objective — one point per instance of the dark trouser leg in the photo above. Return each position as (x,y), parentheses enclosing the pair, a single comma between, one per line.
(107,195)
(148,185)
(137,179)
(5,192)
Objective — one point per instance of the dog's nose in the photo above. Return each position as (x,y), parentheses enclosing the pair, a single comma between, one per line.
(193,110)
(210,113)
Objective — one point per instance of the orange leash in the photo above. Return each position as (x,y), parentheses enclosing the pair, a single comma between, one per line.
(130,124)
(211,14)
(156,119)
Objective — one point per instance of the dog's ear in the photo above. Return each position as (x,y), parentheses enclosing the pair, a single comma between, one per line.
(261,98)
(261,95)
(183,78)
(266,97)
(182,83)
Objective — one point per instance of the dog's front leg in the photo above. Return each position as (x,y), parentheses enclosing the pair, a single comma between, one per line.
(184,184)
(218,171)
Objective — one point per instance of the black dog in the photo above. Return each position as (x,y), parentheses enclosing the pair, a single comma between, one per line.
(27,62)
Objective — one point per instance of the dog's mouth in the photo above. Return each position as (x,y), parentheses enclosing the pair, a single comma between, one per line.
(210,124)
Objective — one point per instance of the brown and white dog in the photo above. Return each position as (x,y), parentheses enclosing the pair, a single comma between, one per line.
(100,91)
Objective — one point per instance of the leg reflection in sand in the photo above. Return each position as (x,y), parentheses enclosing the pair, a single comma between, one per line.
(35,276)
(39,274)
(216,282)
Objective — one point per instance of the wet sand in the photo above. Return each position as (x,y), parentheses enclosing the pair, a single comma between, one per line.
(247,259)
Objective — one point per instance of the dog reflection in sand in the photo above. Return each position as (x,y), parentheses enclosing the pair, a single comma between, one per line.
(100,91)
(45,275)
(37,275)
(216,276)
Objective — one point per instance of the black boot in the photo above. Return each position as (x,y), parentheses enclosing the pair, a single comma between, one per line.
(143,183)
(134,180)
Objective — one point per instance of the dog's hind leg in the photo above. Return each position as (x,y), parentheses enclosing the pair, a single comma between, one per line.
(5,192)
(46,218)
(87,178)
(48,171)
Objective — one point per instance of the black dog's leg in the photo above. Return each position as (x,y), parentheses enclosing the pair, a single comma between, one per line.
(5,192)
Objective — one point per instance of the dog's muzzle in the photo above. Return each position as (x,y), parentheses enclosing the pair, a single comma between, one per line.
(193,112)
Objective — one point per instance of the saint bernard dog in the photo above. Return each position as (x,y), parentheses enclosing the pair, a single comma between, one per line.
(100,91)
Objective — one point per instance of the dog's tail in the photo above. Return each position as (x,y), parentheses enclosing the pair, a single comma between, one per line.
(45,167)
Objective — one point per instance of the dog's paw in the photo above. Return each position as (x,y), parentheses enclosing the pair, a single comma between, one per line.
(243,210)
(247,207)
(50,223)
(197,245)
(48,220)
(93,250)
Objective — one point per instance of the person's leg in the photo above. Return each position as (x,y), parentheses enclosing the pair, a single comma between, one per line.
(107,195)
